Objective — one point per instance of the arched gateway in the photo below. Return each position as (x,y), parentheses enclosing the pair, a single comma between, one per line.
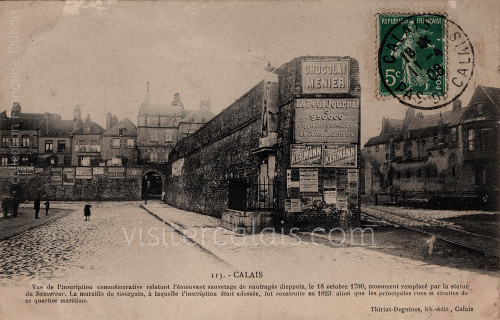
(152,184)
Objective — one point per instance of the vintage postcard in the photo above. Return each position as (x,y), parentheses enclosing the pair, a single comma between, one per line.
(250,159)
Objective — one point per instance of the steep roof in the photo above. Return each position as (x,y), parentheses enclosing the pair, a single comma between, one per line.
(202,115)
(56,128)
(130,129)
(428,125)
(87,128)
(147,108)
(24,123)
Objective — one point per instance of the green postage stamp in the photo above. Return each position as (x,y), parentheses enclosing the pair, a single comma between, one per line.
(412,55)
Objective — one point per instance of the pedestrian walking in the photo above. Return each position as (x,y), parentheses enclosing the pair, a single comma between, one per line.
(86,212)
(36,206)
(47,206)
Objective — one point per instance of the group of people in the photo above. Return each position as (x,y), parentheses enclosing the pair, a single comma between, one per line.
(36,206)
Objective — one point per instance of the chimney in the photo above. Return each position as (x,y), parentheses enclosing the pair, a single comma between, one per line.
(385,125)
(114,120)
(457,105)
(77,117)
(177,100)
(16,110)
(109,118)
(410,115)
(205,102)
(87,119)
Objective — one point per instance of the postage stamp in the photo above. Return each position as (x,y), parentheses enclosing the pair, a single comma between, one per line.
(424,60)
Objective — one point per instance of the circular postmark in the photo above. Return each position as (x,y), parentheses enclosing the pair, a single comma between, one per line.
(425,61)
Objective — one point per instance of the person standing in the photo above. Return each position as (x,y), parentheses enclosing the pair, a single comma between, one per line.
(15,207)
(37,208)
(86,212)
(47,206)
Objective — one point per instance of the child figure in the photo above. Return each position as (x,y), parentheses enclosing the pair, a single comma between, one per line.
(86,212)
(47,206)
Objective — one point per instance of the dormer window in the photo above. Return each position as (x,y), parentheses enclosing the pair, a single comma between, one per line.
(479,108)
(121,131)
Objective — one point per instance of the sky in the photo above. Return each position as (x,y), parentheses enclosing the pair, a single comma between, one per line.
(100,55)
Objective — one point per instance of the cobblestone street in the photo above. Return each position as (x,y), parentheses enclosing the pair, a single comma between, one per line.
(70,245)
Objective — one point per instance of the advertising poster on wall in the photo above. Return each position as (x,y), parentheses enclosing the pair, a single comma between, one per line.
(134,173)
(326,121)
(293,205)
(340,156)
(84,173)
(38,170)
(116,172)
(98,172)
(56,176)
(308,180)
(68,176)
(26,170)
(306,155)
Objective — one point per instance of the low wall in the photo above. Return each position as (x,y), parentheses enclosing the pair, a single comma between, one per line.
(57,183)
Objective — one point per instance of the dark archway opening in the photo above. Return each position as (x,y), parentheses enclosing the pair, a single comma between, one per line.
(152,185)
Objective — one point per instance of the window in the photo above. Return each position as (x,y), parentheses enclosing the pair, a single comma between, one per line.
(386,146)
(397,145)
(5,161)
(49,145)
(61,146)
(419,173)
(169,136)
(5,142)
(121,131)
(454,134)
(130,143)
(115,143)
(480,176)
(153,121)
(480,109)
(410,154)
(24,160)
(387,156)
(398,175)
(15,140)
(453,171)
(154,136)
(67,161)
(377,148)
(408,174)
(164,122)
(470,139)
(142,121)
(486,137)
(25,142)
(153,157)
(53,160)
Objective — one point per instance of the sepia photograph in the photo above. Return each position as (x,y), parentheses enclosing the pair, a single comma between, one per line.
(250,159)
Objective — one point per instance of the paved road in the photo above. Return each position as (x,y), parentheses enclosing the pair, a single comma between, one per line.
(120,240)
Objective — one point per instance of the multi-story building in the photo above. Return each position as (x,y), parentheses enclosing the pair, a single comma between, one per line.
(86,140)
(454,150)
(157,129)
(54,147)
(19,137)
(119,146)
